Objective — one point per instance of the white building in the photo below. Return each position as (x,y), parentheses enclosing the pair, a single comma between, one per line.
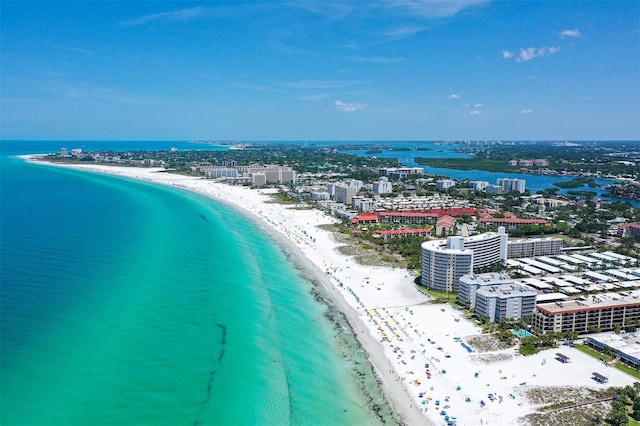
(354,183)
(445,183)
(258,179)
(343,193)
(443,265)
(493,189)
(505,301)
(273,173)
(488,248)
(511,185)
(400,172)
(382,186)
(363,204)
(468,286)
(320,195)
(217,172)
(478,185)
(532,247)
(445,261)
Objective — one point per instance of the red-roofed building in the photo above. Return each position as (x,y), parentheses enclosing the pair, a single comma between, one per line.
(629,230)
(445,225)
(365,218)
(411,216)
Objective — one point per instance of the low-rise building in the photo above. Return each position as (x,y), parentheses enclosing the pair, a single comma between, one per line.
(626,346)
(400,233)
(602,312)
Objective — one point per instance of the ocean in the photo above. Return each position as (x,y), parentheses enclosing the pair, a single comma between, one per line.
(128,303)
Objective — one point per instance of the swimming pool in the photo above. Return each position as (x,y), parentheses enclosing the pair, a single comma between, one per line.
(522,333)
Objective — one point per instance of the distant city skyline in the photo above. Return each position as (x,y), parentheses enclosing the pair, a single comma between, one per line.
(381,70)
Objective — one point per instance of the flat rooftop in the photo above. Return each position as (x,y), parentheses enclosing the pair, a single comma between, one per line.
(599,301)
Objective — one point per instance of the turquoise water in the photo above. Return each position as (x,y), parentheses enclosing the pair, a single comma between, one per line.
(522,333)
(127,303)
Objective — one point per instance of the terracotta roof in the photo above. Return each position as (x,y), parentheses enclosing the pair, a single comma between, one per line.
(446,221)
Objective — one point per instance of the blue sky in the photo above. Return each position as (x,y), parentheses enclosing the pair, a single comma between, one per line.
(316,70)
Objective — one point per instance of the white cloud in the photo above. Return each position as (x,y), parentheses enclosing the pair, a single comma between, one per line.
(431,9)
(318,97)
(475,112)
(84,92)
(531,53)
(330,10)
(526,111)
(316,84)
(377,59)
(251,86)
(404,32)
(478,105)
(454,96)
(586,98)
(349,106)
(571,33)
(173,15)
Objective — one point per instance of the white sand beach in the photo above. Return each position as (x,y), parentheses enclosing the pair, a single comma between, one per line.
(381,302)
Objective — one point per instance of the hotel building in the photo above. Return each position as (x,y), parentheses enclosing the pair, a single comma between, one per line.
(511,185)
(602,312)
(443,265)
(445,261)
(505,301)
(468,286)
(534,247)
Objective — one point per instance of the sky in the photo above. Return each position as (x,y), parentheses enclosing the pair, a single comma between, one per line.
(320,70)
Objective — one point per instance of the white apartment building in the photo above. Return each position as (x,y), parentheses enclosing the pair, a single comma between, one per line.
(382,186)
(534,247)
(445,261)
(343,193)
(488,248)
(363,204)
(511,185)
(320,195)
(357,184)
(512,301)
(478,185)
(400,172)
(443,265)
(273,173)
(445,183)
(468,286)
(258,179)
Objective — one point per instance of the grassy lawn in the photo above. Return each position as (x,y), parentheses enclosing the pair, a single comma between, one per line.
(439,296)
(620,366)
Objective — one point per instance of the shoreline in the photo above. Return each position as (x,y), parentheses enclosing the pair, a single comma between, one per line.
(399,331)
